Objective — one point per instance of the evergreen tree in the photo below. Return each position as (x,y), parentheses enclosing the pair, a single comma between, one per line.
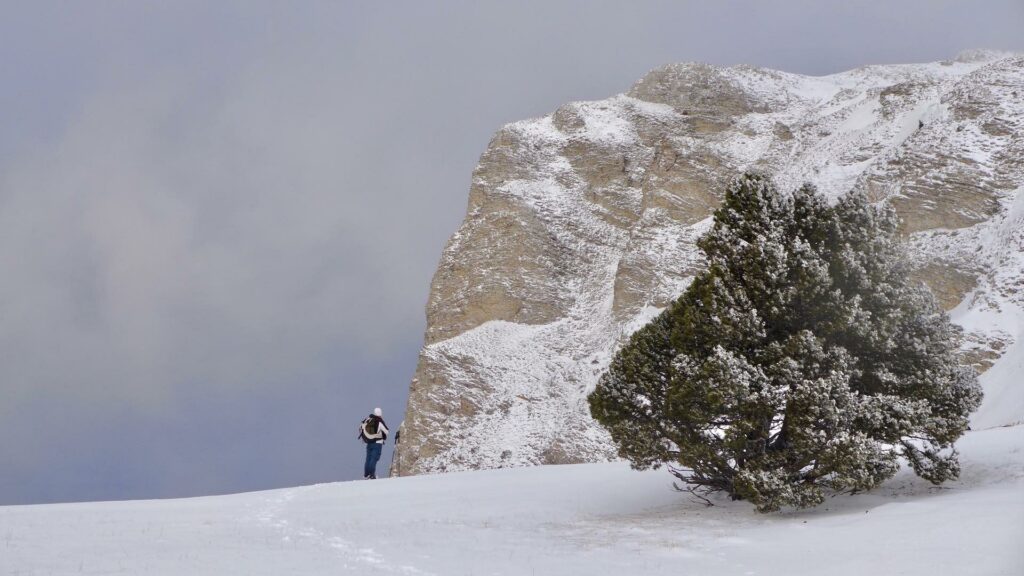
(803,359)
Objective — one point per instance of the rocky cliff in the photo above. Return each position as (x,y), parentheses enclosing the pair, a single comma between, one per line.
(581,227)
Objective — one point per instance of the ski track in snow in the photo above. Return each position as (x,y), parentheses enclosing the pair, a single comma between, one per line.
(275,513)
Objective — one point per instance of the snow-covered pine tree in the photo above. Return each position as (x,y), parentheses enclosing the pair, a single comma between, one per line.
(803,359)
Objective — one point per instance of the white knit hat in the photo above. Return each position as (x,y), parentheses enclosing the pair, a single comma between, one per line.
(378,412)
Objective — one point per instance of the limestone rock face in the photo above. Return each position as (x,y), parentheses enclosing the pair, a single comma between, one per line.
(581,227)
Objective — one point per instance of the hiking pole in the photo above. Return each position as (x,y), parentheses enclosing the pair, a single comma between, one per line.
(392,470)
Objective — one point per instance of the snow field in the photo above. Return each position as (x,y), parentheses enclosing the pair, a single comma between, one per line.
(552,520)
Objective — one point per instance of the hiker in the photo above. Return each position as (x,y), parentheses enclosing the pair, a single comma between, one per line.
(374,432)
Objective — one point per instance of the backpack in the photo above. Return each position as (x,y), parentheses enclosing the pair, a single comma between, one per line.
(369,429)
(372,425)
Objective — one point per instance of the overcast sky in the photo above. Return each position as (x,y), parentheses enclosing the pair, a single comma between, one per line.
(219,220)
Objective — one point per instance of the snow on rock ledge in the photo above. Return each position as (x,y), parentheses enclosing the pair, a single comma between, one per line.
(581,227)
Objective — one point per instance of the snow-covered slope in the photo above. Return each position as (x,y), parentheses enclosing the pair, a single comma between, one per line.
(995,308)
(585,519)
(581,227)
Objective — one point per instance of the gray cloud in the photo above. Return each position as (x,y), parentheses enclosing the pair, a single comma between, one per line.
(218,223)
